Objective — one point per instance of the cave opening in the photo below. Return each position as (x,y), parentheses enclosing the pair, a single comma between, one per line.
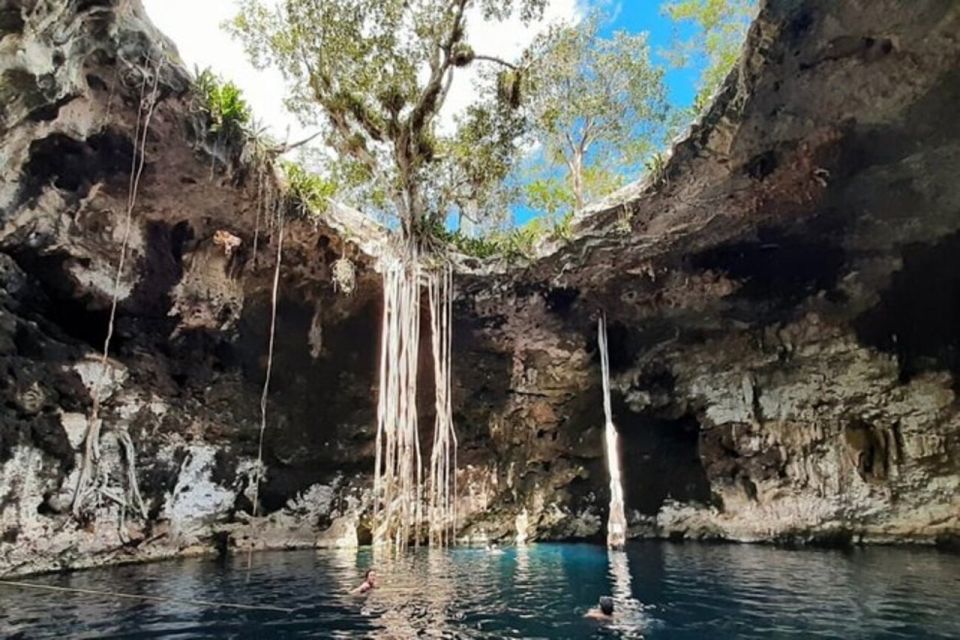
(918,315)
(660,458)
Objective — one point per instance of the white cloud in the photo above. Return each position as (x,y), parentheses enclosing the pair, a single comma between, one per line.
(195,27)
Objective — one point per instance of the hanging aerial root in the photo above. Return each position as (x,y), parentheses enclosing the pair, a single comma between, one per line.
(91,451)
(401,505)
(616,520)
(398,472)
(442,510)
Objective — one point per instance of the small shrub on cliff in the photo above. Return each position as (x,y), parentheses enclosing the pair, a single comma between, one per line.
(228,112)
(309,192)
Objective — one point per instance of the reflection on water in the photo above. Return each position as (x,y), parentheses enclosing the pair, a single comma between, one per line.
(661,590)
(630,620)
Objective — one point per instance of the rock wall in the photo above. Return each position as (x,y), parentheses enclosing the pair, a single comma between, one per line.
(781,298)
(782,303)
(188,352)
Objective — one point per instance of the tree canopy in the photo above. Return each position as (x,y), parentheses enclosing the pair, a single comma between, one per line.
(375,74)
(597,106)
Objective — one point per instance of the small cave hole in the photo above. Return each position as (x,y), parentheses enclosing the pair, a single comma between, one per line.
(561,299)
(762,165)
(660,460)
(96,83)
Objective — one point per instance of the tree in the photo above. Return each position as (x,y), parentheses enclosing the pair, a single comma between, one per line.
(721,29)
(597,105)
(377,74)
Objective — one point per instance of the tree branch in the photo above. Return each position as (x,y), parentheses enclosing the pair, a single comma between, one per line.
(428,103)
(286,148)
(499,61)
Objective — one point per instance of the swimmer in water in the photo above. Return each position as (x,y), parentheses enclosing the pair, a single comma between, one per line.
(493,548)
(602,612)
(369,582)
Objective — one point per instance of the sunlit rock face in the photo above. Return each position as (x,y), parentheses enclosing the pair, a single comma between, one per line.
(782,304)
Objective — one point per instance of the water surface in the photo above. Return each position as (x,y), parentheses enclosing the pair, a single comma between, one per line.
(663,590)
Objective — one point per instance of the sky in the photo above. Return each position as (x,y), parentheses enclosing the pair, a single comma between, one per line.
(195,27)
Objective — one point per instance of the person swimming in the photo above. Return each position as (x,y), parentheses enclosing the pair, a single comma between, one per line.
(369,582)
(604,611)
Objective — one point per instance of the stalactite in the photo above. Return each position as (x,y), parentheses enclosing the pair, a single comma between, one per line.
(91,453)
(616,520)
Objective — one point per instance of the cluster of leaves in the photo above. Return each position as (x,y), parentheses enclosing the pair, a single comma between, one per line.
(597,105)
(228,113)
(230,119)
(309,192)
(376,75)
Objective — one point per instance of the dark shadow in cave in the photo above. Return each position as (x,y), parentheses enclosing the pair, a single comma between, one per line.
(918,316)
(79,318)
(779,268)
(660,459)
(320,410)
(73,165)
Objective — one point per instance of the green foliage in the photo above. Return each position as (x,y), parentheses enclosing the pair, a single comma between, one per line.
(597,105)
(222,101)
(309,193)
(722,27)
(518,244)
(376,74)
(551,195)
(563,228)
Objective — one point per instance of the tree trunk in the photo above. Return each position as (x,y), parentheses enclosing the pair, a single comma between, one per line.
(577,175)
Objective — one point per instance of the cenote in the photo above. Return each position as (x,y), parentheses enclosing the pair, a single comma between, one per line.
(661,590)
(537,303)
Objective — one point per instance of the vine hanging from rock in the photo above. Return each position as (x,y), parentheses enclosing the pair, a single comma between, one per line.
(92,480)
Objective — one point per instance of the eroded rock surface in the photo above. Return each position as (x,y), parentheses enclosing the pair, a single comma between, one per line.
(782,300)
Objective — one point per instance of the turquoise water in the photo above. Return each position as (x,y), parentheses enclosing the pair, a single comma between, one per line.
(663,590)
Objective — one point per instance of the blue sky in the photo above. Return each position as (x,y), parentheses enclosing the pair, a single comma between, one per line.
(647,15)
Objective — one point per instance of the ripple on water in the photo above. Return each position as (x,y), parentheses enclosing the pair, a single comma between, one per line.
(662,590)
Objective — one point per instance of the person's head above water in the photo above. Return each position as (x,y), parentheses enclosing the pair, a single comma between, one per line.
(606,605)
(370,577)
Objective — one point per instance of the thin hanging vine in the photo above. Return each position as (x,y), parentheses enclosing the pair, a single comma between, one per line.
(443,457)
(266,379)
